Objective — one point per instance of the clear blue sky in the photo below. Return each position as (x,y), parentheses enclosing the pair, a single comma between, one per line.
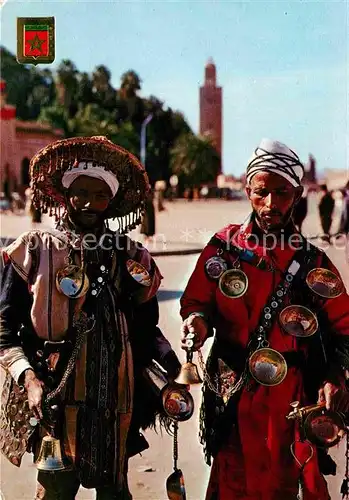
(283,66)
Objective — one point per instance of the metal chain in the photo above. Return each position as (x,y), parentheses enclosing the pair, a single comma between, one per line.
(208,380)
(81,326)
(347,459)
(175,445)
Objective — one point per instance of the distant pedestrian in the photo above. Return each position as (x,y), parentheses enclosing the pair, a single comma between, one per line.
(344,221)
(326,207)
(33,212)
(148,223)
(7,186)
(300,211)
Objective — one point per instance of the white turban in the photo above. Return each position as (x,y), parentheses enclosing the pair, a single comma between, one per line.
(87,168)
(273,156)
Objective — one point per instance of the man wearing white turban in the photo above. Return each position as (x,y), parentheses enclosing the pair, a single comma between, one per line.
(242,287)
(273,177)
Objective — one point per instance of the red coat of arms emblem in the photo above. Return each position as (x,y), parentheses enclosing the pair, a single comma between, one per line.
(35,40)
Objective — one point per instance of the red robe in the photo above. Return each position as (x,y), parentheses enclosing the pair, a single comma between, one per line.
(255,462)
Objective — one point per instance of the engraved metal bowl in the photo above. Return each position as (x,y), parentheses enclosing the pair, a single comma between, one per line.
(324,428)
(175,486)
(177,402)
(72,282)
(138,272)
(298,321)
(325,283)
(233,283)
(267,366)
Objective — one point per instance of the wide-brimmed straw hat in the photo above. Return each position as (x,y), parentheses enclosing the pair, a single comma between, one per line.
(48,166)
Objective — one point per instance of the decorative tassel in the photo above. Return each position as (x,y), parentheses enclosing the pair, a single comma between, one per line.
(50,165)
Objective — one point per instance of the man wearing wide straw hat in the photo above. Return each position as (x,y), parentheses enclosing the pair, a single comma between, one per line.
(79,314)
(281,317)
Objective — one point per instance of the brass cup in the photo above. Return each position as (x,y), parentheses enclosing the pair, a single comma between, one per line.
(189,374)
(175,486)
(298,321)
(140,284)
(72,282)
(324,428)
(325,283)
(267,366)
(138,272)
(233,283)
(177,402)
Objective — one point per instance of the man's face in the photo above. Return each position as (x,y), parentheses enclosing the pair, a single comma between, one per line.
(88,199)
(272,198)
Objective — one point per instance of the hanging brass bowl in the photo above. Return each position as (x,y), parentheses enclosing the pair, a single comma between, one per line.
(138,272)
(298,321)
(267,366)
(177,402)
(140,284)
(325,283)
(175,486)
(233,283)
(324,428)
(72,282)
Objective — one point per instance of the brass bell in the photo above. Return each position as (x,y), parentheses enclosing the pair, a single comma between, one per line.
(50,455)
(189,374)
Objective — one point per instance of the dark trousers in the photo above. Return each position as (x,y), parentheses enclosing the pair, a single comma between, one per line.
(326,223)
(65,486)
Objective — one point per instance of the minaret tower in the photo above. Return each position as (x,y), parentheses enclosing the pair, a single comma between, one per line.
(211,107)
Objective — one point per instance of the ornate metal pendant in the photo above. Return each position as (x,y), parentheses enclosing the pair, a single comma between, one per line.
(267,366)
(72,281)
(325,283)
(298,321)
(215,267)
(233,283)
(227,380)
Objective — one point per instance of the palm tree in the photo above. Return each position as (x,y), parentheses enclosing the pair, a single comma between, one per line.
(92,120)
(195,160)
(130,83)
(84,93)
(67,83)
(101,78)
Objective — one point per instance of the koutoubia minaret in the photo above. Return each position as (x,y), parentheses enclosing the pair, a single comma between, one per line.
(211,107)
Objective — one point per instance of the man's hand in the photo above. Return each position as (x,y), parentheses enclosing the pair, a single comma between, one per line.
(197,326)
(34,388)
(326,395)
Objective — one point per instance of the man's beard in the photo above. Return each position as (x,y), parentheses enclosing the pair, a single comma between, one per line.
(86,219)
(269,227)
